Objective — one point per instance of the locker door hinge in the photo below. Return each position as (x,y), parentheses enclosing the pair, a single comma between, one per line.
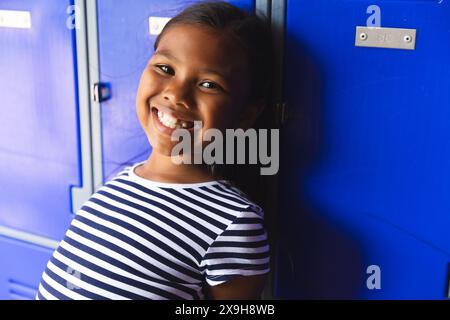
(101,91)
(282,113)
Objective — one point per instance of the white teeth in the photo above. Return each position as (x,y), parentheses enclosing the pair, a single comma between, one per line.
(167,120)
(170,121)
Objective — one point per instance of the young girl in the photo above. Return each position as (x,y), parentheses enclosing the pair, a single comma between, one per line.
(161,230)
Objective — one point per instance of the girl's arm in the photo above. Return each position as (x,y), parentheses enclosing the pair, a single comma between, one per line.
(239,288)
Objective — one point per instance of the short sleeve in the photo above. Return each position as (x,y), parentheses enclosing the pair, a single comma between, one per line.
(242,249)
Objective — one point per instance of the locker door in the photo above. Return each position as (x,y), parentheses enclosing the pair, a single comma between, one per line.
(125,46)
(38,117)
(366,154)
(21,269)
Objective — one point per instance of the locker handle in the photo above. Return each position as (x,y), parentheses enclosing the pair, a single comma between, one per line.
(101,91)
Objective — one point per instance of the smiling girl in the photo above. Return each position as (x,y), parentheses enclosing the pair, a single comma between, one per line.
(161,230)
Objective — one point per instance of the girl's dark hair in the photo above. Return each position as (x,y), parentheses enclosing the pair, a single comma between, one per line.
(252,33)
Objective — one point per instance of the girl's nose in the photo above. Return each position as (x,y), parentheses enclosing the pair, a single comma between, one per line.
(177,94)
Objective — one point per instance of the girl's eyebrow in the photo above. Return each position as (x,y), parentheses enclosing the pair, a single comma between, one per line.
(207,70)
(166,54)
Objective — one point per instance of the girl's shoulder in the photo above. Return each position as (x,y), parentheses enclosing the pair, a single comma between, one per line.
(234,192)
(119,171)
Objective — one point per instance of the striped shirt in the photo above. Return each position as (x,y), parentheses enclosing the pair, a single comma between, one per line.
(140,239)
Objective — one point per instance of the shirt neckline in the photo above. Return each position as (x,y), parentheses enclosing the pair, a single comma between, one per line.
(153,183)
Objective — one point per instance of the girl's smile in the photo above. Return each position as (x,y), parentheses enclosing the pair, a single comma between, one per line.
(167,121)
(195,74)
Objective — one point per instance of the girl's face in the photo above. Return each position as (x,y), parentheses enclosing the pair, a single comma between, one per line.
(195,74)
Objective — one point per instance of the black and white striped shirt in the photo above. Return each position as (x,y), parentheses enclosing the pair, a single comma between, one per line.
(139,239)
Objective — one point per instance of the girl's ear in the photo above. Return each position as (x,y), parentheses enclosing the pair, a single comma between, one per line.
(251,113)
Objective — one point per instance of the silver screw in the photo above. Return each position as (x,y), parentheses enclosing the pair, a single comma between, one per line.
(363,36)
(407,38)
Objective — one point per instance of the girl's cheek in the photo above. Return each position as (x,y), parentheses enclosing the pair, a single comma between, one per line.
(152,85)
(214,120)
(145,92)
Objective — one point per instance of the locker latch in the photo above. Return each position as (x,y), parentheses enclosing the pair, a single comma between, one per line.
(101,91)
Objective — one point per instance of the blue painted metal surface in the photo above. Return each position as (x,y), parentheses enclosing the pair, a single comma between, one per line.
(366,154)
(21,269)
(38,120)
(125,46)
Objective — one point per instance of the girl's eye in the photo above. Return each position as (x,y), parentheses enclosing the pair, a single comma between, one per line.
(165,69)
(210,85)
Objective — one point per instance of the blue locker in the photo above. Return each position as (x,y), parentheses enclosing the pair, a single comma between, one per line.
(366,151)
(41,145)
(39,157)
(125,46)
(21,269)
